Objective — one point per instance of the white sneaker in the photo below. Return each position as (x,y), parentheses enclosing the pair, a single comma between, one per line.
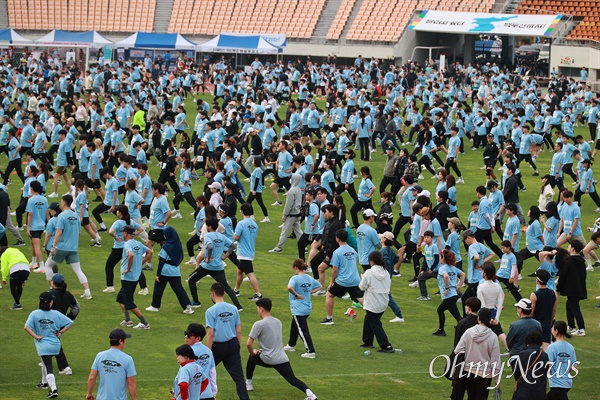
(191,261)
(176,215)
(520,277)
(126,323)
(434,177)
(143,292)
(142,326)
(578,332)
(289,348)
(86,296)
(153,309)
(321,292)
(280,226)
(249,386)
(66,371)
(421,176)
(266,219)
(397,319)
(414,284)
(461,180)
(53,195)
(246,279)
(109,289)
(311,397)
(308,355)
(39,270)
(276,250)
(346,297)
(589,269)
(277,204)
(188,310)
(597,210)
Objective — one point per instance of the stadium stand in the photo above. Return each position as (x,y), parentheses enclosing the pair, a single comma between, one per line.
(586,11)
(77,15)
(294,18)
(340,20)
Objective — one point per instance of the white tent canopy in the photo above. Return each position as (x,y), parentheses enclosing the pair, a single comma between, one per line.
(143,40)
(9,36)
(75,39)
(242,44)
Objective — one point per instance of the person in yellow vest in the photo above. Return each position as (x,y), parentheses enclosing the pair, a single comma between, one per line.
(15,268)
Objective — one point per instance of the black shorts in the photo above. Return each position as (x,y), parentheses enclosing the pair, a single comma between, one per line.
(92,185)
(125,295)
(145,210)
(497,329)
(246,266)
(546,333)
(36,234)
(338,291)
(156,235)
(597,147)
(410,249)
(85,221)
(282,181)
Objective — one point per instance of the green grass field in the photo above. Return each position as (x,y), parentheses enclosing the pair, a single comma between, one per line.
(341,371)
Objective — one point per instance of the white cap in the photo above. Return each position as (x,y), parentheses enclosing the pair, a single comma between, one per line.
(425,193)
(215,185)
(368,213)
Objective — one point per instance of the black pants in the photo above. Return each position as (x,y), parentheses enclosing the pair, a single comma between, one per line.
(20,210)
(450,305)
(574,313)
(470,292)
(523,255)
(365,153)
(97,212)
(559,393)
(593,195)
(299,327)
(176,286)
(477,387)
(568,169)
(285,370)
(422,280)
(170,179)
(592,128)
(14,165)
(191,243)
(17,279)
(512,288)
(527,157)
(355,209)
(385,181)
(109,268)
(400,224)
(426,161)
(61,359)
(218,276)
(451,163)
(485,235)
(187,196)
(259,200)
(341,188)
(372,328)
(303,241)
(229,353)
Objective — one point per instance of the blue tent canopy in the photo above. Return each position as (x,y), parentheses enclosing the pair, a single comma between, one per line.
(143,40)
(12,37)
(239,44)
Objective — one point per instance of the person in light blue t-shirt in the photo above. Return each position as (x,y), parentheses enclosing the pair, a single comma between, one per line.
(115,369)
(561,355)
(46,327)
(301,287)
(37,205)
(477,255)
(194,334)
(367,239)
(246,233)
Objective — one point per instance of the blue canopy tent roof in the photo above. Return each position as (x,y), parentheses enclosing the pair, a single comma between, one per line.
(242,44)
(9,36)
(143,40)
(79,39)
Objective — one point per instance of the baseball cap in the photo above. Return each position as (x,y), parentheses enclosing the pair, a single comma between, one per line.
(417,188)
(109,120)
(129,229)
(312,191)
(425,193)
(387,235)
(468,233)
(58,278)
(205,140)
(118,334)
(251,129)
(215,185)
(525,304)
(224,208)
(46,297)
(368,213)
(248,116)
(343,128)
(455,221)
(54,206)
(542,275)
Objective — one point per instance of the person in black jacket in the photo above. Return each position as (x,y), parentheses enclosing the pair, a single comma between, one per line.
(572,285)
(320,262)
(532,376)
(511,191)
(63,301)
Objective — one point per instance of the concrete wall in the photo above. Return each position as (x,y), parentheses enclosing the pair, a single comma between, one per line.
(318,50)
(411,39)
(572,58)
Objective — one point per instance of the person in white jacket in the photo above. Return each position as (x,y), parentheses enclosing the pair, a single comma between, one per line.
(375,283)
(481,356)
(492,296)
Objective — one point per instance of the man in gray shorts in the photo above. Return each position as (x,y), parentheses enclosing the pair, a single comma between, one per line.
(271,354)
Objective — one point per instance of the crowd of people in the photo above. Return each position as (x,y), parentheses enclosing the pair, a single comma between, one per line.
(97,132)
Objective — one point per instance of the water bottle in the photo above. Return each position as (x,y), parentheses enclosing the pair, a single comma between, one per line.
(367,353)
(399,351)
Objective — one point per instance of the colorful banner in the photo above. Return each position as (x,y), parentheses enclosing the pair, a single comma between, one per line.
(494,24)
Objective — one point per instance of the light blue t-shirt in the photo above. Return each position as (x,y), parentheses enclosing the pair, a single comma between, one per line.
(568,215)
(453,274)
(192,374)
(46,324)
(247,232)
(367,241)
(70,225)
(513,227)
(256,181)
(138,249)
(550,236)
(168,268)
(37,205)
(302,284)
(112,192)
(345,258)
(562,356)
(206,361)
(114,367)
(552,270)
(430,251)
(132,199)
(158,212)
(223,318)
(485,207)
(284,162)
(215,244)
(506,263)
(475,275)
(532,237)
(118,226)
(364,188)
